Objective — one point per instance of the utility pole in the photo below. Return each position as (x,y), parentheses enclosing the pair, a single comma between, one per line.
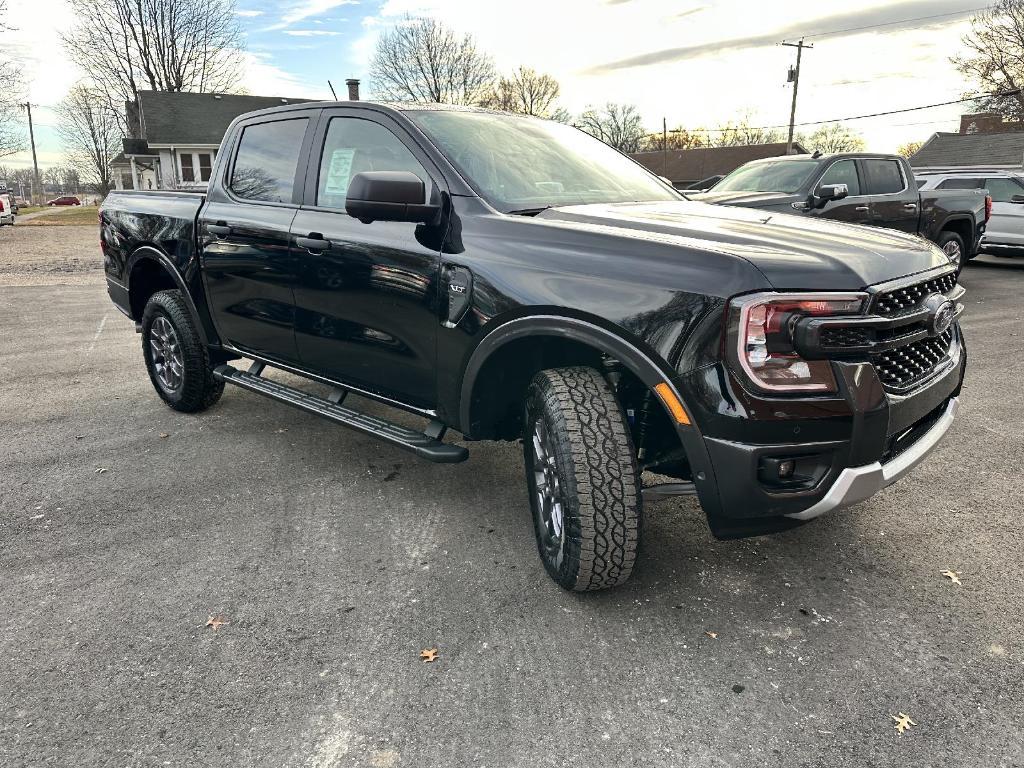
(794,77)
(32,139)
(664,147)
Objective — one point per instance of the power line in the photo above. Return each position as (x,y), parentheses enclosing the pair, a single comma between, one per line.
(894,23)
(997,94)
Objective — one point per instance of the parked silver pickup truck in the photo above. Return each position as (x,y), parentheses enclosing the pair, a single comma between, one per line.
(1004,234)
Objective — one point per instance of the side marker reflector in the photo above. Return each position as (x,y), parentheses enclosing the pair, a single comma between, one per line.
(668,397)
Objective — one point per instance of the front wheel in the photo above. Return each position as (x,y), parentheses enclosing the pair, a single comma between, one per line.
(583,479)
(176,357)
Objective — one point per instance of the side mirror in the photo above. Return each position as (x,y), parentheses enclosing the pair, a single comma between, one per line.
(1018,199)
(828,192)
(388,196)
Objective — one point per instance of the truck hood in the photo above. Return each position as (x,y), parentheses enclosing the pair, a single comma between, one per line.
(747,199)
(792,252)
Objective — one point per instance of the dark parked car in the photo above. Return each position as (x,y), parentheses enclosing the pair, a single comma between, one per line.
(64,200)
(515,279)
(859,188)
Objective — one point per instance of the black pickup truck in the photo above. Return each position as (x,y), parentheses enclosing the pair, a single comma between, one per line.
(859,188)
(511,278)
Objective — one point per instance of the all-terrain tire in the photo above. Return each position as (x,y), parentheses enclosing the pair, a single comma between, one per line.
(197,389)
(590,461)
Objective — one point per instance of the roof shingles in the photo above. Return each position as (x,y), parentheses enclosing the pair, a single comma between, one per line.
(197,118)
(950,150)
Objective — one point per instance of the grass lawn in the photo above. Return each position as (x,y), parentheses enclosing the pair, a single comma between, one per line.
(29,209)
(65,217)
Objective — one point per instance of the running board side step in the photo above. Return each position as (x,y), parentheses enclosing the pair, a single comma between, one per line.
(425,444)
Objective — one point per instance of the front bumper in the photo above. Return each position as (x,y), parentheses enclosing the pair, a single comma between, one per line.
(855,484)
(851,445)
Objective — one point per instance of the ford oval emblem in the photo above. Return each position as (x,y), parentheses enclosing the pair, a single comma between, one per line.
(941,312)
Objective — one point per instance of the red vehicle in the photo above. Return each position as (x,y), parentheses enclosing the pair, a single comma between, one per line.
(64,200)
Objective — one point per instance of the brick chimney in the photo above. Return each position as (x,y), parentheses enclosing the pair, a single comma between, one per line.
(981,122)
(353,89)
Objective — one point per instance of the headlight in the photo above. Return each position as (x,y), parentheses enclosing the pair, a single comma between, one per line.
(761,338)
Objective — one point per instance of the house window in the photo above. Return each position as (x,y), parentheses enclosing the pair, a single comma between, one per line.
(188,172)
(205,165)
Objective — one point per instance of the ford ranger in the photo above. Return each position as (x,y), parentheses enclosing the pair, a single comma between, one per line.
(859,188)
(510,278)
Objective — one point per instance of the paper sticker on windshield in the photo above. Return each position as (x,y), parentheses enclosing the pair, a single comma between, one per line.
(340,171)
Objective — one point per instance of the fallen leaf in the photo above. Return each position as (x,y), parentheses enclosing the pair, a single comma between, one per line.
(216,622)
(903,722)
(281,431)
(164,435)
(429,654)
(953,576)
(101,470)
(712,635)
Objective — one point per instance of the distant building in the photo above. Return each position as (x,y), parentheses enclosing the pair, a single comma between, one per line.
(684,167)
(176,136)
(985,141)
(988,122)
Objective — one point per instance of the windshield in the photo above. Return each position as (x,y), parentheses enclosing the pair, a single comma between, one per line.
(525,164)
(772,176)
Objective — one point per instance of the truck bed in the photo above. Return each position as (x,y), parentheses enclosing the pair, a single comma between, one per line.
(131,219)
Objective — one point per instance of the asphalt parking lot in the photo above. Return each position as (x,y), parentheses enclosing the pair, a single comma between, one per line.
(335,560)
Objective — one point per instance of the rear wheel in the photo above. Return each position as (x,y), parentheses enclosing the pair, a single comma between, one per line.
(175,355)
(583,479)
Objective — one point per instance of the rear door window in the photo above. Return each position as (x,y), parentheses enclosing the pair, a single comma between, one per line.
(884,177)
(843,172)
(960,183)
(267,159)
(1002,189)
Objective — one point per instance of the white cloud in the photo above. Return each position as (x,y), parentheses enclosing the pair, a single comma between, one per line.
(311,33)
(249,14)
(265,79)
(307,8)
(578,37)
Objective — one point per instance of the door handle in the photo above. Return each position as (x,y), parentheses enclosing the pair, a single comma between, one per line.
(862,208)
(313,242)
(910,206)
(220,229)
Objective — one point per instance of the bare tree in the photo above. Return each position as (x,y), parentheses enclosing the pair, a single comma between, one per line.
(422,60)
(12,135)
(525,92)
(742,132)
(91,135)
(616,124)
(677,138)
(995,58)
(834,137)
(159,45)
(909,148)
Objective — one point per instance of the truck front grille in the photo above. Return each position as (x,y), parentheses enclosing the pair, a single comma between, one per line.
(911,296)
(902,368)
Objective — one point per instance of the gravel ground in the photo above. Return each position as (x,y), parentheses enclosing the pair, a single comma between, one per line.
(41,255)
(336,560)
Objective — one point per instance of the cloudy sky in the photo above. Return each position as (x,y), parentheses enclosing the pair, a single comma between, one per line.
(694,62)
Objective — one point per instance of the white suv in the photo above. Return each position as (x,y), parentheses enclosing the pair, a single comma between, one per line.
(1005,230)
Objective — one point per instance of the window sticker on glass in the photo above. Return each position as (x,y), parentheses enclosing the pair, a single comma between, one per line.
(339,172)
